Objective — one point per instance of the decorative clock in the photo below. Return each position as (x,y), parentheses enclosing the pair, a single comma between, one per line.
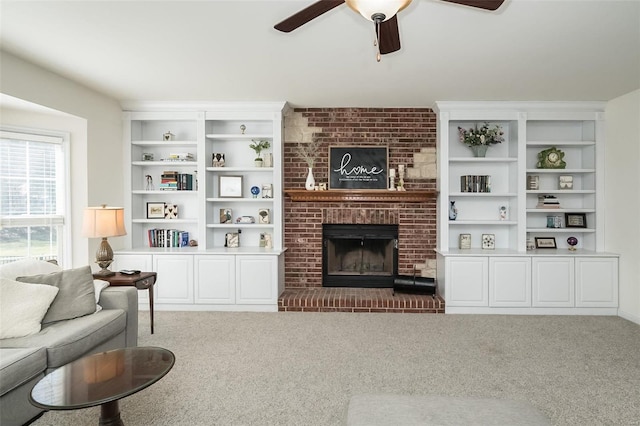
(551,158)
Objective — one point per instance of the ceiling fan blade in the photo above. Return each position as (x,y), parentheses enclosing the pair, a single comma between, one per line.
(482,4)
(306,15)
(389,36)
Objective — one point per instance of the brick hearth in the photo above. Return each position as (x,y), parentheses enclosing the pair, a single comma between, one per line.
(340,299)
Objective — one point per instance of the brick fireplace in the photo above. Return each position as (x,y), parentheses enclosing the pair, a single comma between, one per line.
(410,134)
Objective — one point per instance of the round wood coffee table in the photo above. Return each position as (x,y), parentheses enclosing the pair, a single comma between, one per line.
(102,379)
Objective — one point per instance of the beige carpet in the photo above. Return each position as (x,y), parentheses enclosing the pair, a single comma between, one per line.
(302,368)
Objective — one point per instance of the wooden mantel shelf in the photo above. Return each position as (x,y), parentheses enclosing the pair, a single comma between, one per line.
(360,196)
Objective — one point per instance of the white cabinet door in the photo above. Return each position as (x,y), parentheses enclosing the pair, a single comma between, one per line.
(466,281)
(175,278)
(553,282)
(257,278)
(140,262)
(510,281)
(596,282)
(215,279)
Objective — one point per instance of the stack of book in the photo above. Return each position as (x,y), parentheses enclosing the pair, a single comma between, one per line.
(475,183)
(174,181)
(548,202)
(168,238)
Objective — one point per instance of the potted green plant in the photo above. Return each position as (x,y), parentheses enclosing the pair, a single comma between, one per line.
(258,146)
(479,139)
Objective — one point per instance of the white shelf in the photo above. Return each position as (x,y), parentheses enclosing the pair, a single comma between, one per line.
(561,143)
(482,160)
(561,191)
(240,225)
(165,163)
(239,137)
(561,230)
(483,222)
(159,192)
(240,169)
(165,221)
(176,144)
(239,200)
(561,210)
(484,194)
(561,171)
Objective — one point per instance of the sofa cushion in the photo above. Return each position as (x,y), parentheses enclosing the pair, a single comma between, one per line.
(76,297)
(19,365)
(68,340)
(23,306)
(27,267)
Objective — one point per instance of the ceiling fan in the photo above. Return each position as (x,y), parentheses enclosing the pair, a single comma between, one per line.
(381,12)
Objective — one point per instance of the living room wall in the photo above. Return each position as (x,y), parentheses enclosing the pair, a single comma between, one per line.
(622,183)
(96,169)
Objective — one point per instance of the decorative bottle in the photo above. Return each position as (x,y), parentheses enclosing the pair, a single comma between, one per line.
(453,211)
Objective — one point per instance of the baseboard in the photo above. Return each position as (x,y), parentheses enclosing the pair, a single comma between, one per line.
(628,316)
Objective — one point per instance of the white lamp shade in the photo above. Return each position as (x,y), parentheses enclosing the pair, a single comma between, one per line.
(101,222)
(368,8)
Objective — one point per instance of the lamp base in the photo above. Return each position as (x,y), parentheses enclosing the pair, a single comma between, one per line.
(104,273)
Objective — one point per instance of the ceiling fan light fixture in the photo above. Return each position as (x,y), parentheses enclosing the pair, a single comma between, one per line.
(372,9)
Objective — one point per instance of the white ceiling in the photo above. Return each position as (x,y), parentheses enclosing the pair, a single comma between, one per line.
(212,50)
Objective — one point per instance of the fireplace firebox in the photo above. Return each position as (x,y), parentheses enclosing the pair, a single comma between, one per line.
(359,255)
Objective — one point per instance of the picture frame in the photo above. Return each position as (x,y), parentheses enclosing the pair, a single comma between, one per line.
(575,220)
(565,182)
(464,241)
(358,167)
(267,190)
(230,186)
(546,243)
(232,240)
(155,210)
(170,211)
(226,216)
(488,241)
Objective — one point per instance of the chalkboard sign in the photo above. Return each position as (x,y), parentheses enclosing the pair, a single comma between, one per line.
(363,167)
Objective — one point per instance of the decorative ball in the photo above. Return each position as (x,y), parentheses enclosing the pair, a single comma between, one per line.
(572,241)
(255,190)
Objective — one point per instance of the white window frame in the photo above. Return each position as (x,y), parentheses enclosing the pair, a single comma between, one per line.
(63,217)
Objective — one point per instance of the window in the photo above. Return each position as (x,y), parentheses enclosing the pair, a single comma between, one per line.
(33,195)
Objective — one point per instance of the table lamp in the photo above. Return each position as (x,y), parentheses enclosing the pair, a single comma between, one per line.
(103,222)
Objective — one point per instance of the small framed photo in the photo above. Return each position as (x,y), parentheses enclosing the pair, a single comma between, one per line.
(533,183)
(265,240)
(267,190)
(488,241)
(170,211)
(217,159)
(232,240)
(230,186)
(155,210)
(565,182)
(264,216)
(575,220)
(545,243)
(464,241)
(226,216)
(147,156)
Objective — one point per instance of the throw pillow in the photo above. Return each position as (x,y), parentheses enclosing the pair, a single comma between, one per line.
(76,297)
(27,267)
(98,286)
(22,307)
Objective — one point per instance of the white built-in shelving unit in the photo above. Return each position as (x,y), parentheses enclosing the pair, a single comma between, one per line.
(207,275)
(510,278)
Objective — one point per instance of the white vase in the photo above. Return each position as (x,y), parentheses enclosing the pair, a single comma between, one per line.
(311,182)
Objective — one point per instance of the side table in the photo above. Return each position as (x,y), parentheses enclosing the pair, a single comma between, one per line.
(141,281)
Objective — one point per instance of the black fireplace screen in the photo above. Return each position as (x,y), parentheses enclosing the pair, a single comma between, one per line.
(359,255)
